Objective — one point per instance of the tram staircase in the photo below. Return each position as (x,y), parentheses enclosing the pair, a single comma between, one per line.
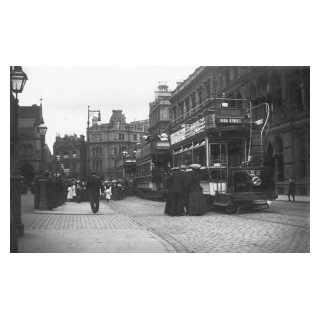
(257,157)
(258,147)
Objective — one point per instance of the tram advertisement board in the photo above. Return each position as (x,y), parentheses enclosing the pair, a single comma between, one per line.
(195,128)
(178,136)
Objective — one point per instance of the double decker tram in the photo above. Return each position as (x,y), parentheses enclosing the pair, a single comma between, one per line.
(149,154)
(230,145)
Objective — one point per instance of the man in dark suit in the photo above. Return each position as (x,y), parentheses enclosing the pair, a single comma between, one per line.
(94,185)
(180,184)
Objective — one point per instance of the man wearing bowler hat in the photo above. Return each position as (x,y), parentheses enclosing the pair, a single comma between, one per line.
(94,185)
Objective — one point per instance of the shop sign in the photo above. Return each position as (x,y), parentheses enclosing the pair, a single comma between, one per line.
(163,145)
(178,136)
(195,128)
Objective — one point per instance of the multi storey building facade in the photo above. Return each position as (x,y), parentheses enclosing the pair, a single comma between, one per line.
(287,92)
(70,156)
(32,151)
(159,110)
(108,141)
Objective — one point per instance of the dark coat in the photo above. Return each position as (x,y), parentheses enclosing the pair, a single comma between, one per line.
(94,185)
(291,187)
(180,183)
(195,183)
(156,174)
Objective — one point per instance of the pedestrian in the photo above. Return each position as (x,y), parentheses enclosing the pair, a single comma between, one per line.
(156,176)
(178,191)
(94,186)
(197,202)
(108,193)
(74,193)
(114,190)
(49,191)
(78,191)
(168,194)
(70,193)
(291,190)
(130,186)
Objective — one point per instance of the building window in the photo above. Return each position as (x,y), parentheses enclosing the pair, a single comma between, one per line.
(135,137)
(119,149)
(65,154)
(119,136)
(97,165)
(74,155)
(97,137)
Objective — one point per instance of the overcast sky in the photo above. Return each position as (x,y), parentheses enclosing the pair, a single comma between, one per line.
(68,91)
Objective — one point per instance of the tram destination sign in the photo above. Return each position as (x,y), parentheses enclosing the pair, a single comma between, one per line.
(230,120)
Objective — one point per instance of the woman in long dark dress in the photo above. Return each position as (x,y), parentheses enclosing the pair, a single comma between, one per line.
(167,209)
(197,202)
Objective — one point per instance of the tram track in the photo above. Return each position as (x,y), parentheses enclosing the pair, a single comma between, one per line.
(270,221)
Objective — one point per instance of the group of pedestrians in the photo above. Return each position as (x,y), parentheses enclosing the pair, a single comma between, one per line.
(118,190)
(56,191)
(185,193)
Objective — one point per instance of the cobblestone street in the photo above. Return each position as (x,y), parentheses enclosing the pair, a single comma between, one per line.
(284,227)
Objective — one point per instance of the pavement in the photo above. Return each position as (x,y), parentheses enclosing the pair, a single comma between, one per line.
(297,198)
(73,228)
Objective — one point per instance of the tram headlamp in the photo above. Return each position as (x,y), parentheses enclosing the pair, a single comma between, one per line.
(256,181)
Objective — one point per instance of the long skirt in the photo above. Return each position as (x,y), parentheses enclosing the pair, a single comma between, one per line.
(177,203)
(167,209)
(197,204)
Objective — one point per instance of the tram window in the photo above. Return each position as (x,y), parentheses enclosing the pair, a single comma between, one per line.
(187,158)
(218,174)
(199,155)
(177,160)
(215,155)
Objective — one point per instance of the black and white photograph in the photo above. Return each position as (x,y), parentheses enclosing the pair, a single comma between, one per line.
(160,160)
(218,163)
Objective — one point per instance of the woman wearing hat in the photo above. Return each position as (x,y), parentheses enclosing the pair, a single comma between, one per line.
(197,202)
(178,191)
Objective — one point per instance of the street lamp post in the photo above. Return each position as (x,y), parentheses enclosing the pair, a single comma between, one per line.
(90,113)
(124,155)
(42,129)
(17,82)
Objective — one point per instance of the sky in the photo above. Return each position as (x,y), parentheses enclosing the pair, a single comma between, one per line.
(68,91)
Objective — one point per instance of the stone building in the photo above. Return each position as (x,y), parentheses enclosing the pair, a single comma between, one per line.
(108,141)
(70,156)
(159,110)
(287,92)
(32,150)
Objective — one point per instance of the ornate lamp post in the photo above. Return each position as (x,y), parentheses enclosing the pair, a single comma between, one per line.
(17,82)
(124,155)
(42,130)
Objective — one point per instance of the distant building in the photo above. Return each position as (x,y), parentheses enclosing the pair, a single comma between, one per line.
(108,141)
(70,156)
(30,143)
